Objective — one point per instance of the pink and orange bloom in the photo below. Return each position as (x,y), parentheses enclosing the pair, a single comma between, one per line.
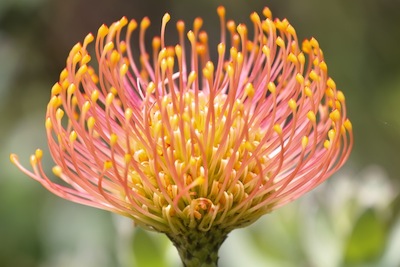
(185,145)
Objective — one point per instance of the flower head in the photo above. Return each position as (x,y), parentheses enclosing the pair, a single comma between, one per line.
(178,142)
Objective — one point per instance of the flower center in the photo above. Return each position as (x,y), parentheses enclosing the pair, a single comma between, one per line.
(200,163)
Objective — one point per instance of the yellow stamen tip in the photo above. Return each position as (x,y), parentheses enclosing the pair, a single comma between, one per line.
(13,158)
(271,87)
(221,11)
(108,165)
(56,89)
(267,13)
(278,129)
(166,18)
(73,136)
(57,171)
(39,154)
(304,142)
(311,116)
(292,104)
(145,23)
(335,115)
(348,125)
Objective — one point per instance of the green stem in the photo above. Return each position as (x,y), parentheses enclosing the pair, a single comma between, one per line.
(197,248)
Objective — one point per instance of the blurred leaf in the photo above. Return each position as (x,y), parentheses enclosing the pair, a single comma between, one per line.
(148,252)
(367,240)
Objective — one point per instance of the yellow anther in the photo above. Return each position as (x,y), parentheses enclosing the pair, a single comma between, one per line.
(279,42)
(192,77)
(74,100)
(323,66)
(71,89)
(327,144)
(299,78)
(108,47)
(308,92)
(128,114)
(63,75)
(108,164)
(292,104)
(33,160)
(90,123)
(59,114)
(347,124)
(230,71)
(314,42)
(56,89)
(331,83)
(331,134)
(191,36)
(166,18)
(103,31)
(180,26)
(77,57)
(221,48)
(94,96)
(301,58)
(88,39)
(221,11)
(304,142)
(306,46)
(290,29)
(81,71)
(170,63)
(163,65)
(150,88)
(233,51)
(266,51)
(115,56)
(267,13)
(242,29)
(48,124)
(72,136)
(206,73)
(86,107)
(314,76)
(113,139)
(278,129)
(132,25)
(75,49)
(127,158)
(123,70)
(39,154)
(57,171)
(85,59)
(198,22)
(255,18)
(329,92)
(145,23)
(292,58)
(109,99)
(340,96)
(249,90)
(178,51)
(271,87)
(335,115)
(311,116)
(122,47)
(231,26)
(239,58)
(13,158)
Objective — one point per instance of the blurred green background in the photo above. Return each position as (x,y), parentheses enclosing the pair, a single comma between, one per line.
(352,220)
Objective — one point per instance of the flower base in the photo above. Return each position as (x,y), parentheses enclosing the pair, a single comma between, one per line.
(198,248)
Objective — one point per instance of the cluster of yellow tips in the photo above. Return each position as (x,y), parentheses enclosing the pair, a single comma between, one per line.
(178,142)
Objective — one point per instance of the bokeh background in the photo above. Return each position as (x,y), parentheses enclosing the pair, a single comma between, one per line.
(352,220)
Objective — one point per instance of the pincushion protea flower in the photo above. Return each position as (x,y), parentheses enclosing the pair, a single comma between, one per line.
(188,147)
